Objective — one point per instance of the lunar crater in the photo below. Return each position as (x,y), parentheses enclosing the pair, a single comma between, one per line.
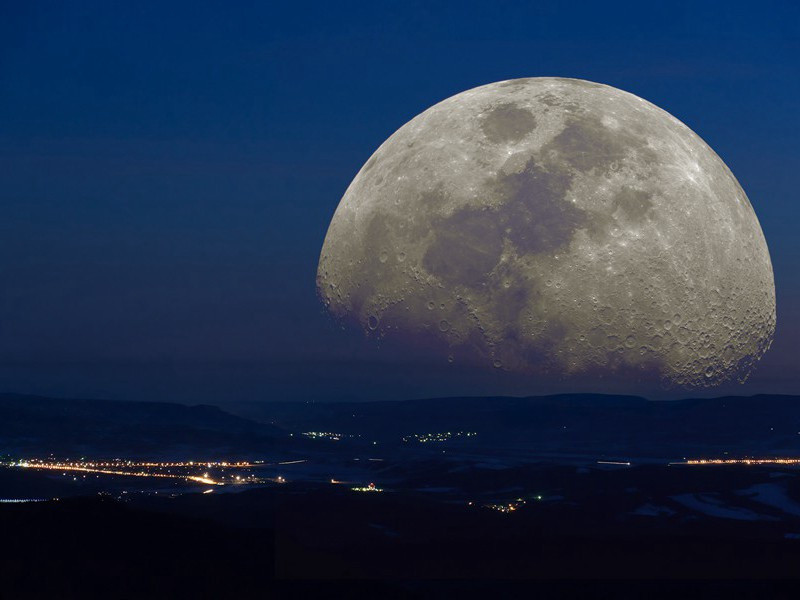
(507,122)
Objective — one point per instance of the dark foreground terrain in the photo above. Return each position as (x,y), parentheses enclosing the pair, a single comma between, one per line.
(590,535)
(506,497)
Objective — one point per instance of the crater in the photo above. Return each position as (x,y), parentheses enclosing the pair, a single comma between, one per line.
(635,204)
(541,350)
(549,98)
(383,233)
(507,123)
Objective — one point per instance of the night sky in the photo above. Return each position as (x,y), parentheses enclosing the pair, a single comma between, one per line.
(168,173)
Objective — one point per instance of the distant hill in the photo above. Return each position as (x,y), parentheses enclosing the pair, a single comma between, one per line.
(563,424)
(623,425)
(36,425)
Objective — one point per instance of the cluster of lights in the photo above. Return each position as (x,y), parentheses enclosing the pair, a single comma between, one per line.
(325,435)
(369,488)
(85,468)
(121,463)
(505,508)
(186,471)
(741,461)
(441,436)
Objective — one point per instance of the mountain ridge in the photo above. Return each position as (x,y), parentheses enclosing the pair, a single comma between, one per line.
(591,423)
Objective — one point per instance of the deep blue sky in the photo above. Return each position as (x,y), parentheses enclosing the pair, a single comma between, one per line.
(168,170)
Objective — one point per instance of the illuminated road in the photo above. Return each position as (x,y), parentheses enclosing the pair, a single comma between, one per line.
(106,471)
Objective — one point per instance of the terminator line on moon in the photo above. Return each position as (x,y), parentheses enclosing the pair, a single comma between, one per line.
(554,225)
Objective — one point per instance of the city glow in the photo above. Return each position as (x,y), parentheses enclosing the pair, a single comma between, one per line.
(57,466)
(176,470)
(439,436)
(507,507)
(739,461)
(326,435)
(369,488)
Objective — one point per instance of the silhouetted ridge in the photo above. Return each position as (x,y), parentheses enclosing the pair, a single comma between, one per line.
(42,425)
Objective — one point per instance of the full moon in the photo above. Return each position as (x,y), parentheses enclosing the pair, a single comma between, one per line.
(557,226)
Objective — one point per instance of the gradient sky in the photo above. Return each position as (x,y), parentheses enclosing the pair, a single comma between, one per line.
(168,173)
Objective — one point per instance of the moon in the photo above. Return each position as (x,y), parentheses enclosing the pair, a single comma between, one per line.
(560,226)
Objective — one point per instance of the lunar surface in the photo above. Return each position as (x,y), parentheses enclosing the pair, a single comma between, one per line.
(558,226)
